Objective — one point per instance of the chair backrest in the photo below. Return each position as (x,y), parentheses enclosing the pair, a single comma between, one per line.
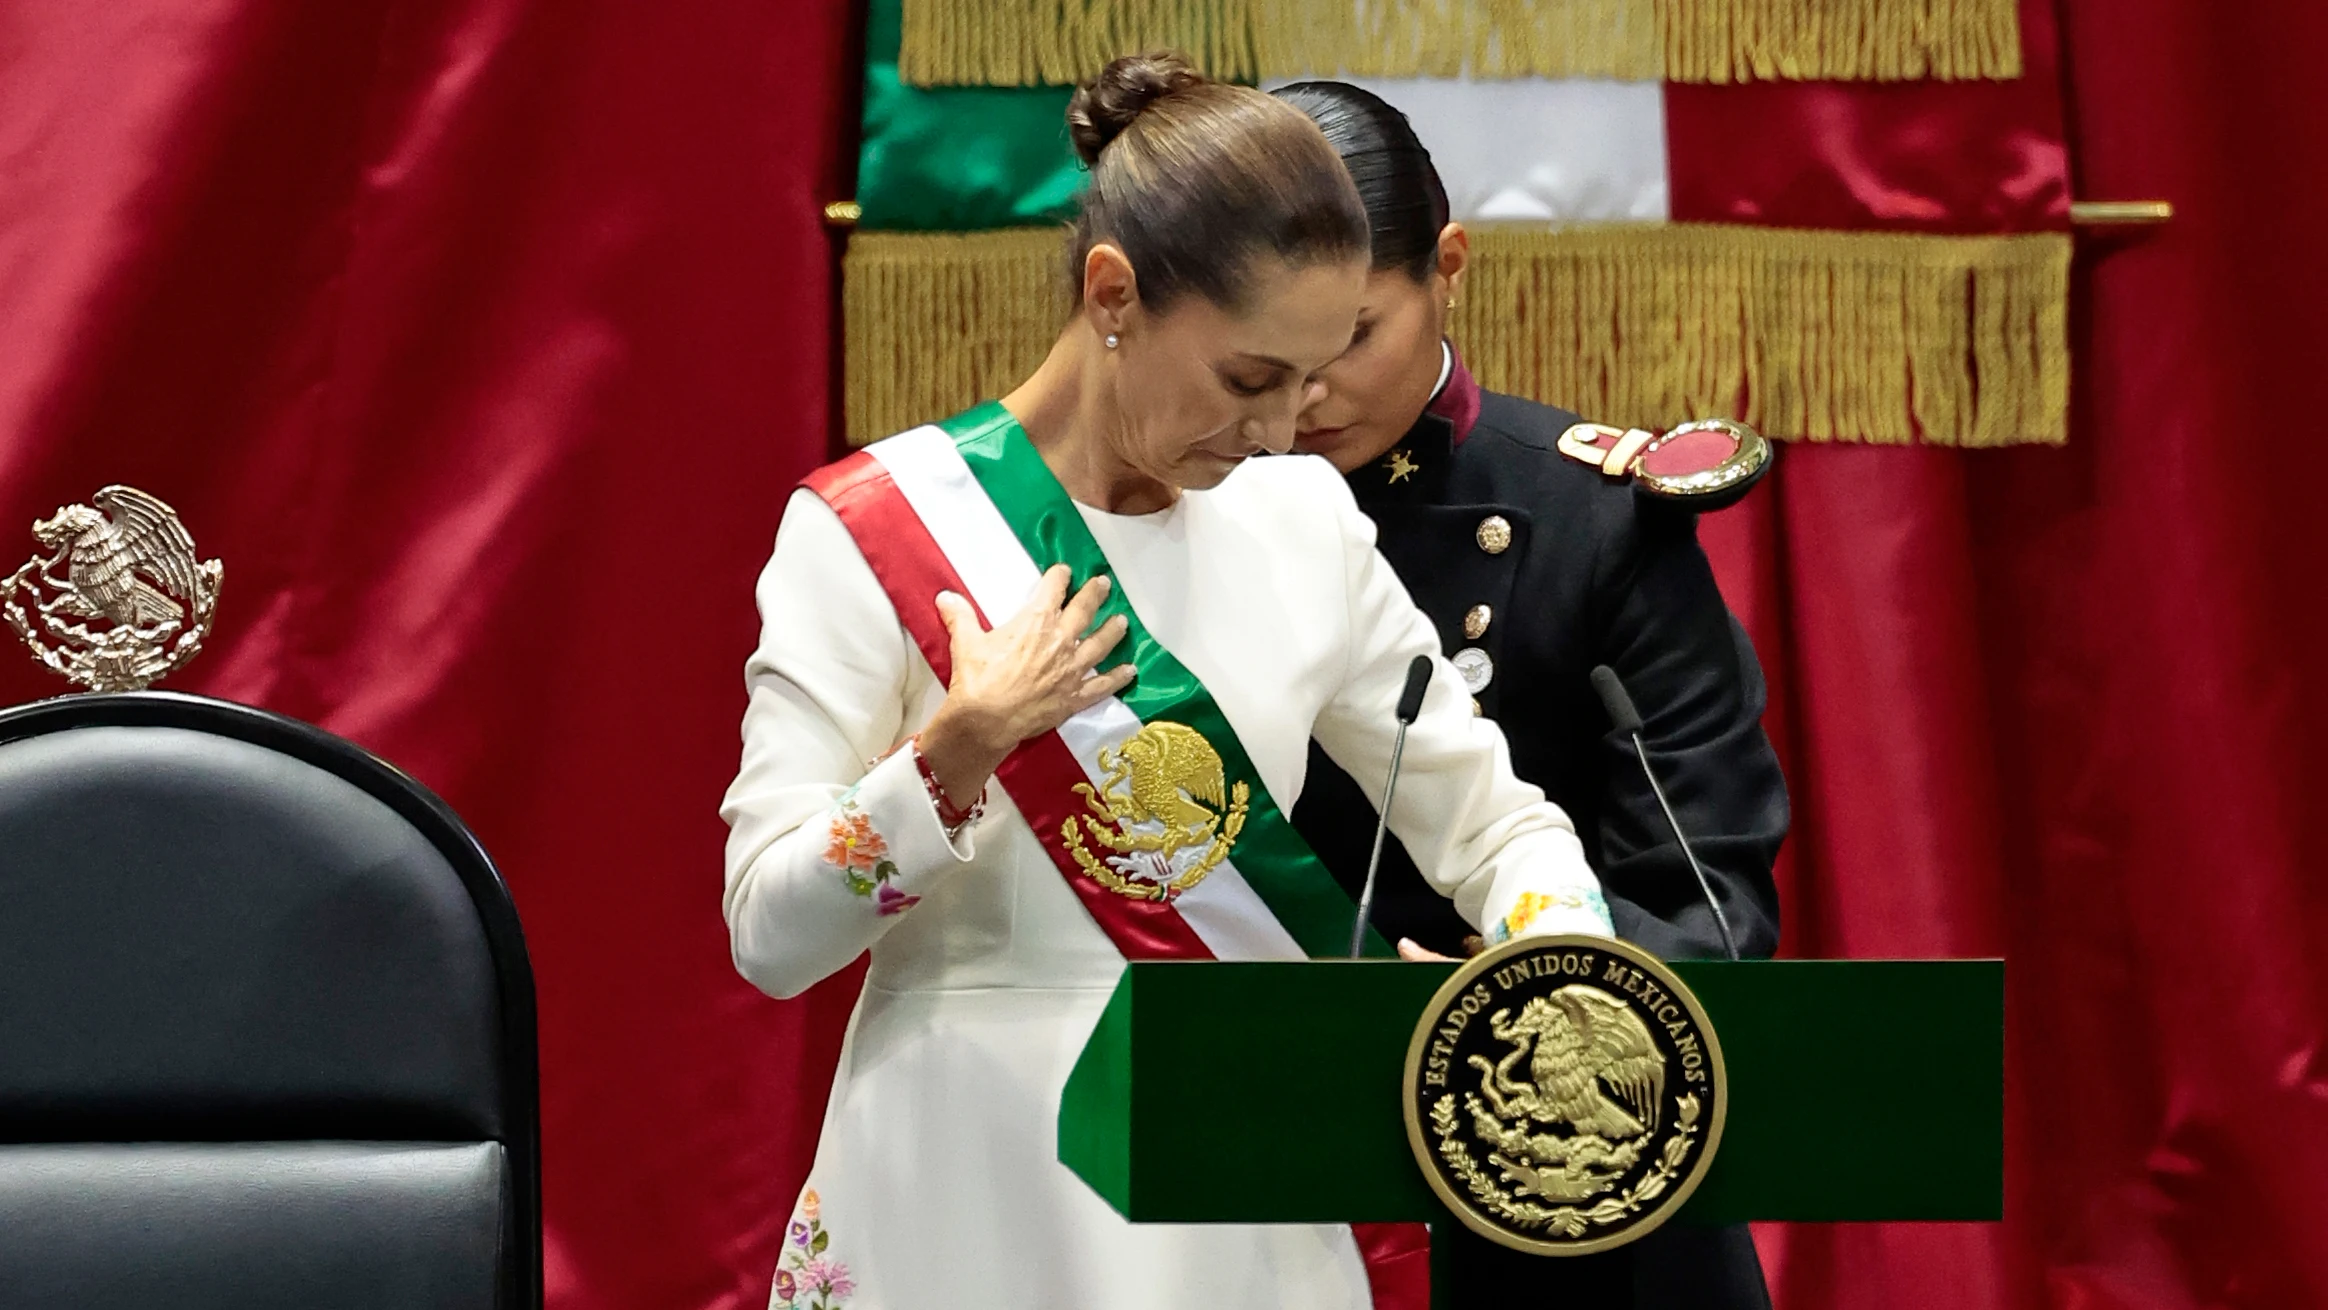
(266,1023)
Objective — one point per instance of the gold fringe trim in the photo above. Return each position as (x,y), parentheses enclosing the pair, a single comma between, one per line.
(1819,336)
(1840,40)
(935,322)
(1060,42)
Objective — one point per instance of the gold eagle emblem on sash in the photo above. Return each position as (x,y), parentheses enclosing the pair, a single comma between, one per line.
(1163,816)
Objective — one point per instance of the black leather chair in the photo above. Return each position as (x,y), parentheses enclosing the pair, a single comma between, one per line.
(266,1024)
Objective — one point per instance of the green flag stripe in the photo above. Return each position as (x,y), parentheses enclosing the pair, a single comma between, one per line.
(1274,860)
(958,159)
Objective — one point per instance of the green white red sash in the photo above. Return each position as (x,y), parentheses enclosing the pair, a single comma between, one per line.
(969,506)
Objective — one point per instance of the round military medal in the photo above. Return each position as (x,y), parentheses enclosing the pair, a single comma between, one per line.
(1476,666)
(1565,1094)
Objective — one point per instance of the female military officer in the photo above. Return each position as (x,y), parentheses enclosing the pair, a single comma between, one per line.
(1536,565)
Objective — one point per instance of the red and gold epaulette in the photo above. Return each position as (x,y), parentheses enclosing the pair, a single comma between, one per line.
(1699,466)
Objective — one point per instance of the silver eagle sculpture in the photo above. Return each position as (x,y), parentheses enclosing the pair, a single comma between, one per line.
(120,599)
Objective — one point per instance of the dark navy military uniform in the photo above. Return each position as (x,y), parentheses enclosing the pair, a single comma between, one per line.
(1535,567)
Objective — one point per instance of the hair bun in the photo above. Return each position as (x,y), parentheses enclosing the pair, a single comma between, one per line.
(1104,106)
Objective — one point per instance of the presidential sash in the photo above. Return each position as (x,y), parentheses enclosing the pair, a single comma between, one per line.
(1147,802)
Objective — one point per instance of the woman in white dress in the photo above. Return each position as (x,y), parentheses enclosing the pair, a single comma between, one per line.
(1033,696)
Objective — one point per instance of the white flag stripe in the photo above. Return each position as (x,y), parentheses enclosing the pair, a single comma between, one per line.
(1232,919)
(1562,149)
(1223,909)
(969,530)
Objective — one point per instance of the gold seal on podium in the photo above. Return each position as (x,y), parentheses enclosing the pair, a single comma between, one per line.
(1564,1095)
(118,600)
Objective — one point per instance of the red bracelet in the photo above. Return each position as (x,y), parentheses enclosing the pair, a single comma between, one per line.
(953,818)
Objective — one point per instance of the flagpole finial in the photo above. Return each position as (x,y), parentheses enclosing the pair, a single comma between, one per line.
(2120,213)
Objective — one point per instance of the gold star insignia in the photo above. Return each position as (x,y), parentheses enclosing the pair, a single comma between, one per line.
(1401,468)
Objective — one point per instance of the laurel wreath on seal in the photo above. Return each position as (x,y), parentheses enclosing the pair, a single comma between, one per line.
(1138,889)
(122,658)
(1566,1220)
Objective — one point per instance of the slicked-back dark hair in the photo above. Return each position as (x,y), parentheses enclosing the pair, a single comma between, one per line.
(1406,206)
(1193,178)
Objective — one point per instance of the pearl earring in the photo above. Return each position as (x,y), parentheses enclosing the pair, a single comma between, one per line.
(1113,341)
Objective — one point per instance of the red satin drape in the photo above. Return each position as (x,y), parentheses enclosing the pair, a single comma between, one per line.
(2062,705)
(482,338)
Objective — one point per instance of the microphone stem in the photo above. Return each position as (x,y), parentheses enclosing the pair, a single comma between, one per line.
(1721,920)
(1374,861)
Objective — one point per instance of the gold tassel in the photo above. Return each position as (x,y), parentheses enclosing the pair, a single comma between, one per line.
(935,321)
(1059,42)
(1820,336)
(1839,40)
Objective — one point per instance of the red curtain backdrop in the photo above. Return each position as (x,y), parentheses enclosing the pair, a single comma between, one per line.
(2062,705)
(482,339)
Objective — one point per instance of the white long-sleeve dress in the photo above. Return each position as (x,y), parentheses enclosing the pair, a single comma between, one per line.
(936,1181)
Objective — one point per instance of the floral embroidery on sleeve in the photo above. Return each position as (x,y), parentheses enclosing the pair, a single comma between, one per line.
(858,850)
(1531,905)
(805,1279)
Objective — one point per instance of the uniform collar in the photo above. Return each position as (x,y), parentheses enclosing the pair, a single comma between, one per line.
(1416,468)
(1457,399)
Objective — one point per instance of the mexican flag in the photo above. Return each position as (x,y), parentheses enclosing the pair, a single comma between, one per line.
(1831,219)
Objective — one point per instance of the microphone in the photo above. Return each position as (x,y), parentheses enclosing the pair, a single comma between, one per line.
(1410,704)
(1626,719)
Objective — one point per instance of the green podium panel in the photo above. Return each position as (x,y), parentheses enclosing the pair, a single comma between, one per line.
(1269,1093)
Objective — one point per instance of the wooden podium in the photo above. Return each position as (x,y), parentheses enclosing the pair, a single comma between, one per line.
(1859,1090)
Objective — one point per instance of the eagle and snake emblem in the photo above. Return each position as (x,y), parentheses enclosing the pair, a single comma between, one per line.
(120,599)
(1564,1094)
(1592,1070)
(1163,816)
